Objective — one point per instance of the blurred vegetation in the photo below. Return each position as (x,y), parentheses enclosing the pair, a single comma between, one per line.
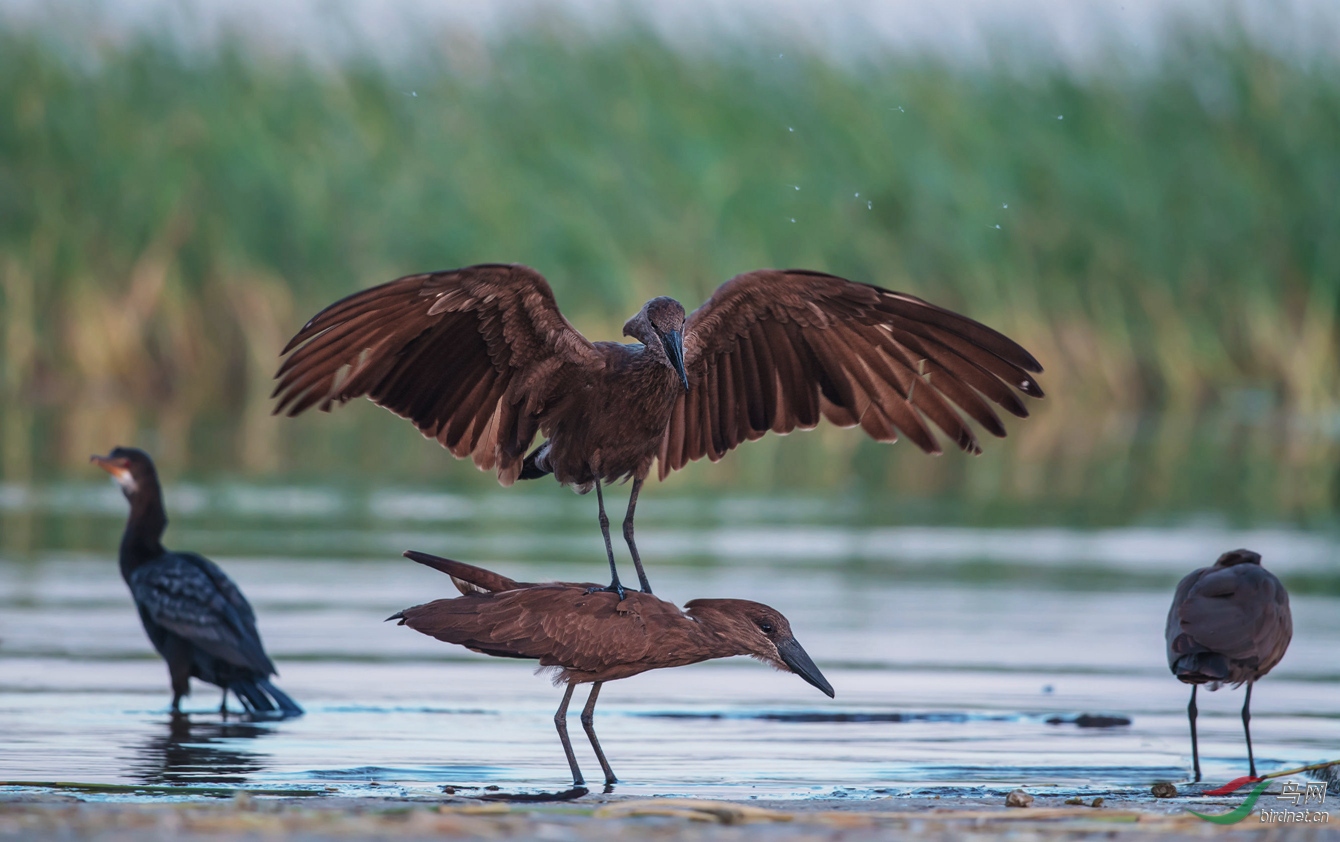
(1164,236)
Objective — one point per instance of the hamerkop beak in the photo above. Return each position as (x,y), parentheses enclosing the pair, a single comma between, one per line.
(799,661)
(674,349)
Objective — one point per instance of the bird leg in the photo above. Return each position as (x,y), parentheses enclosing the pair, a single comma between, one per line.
(1246,729)
(179,670)
(223,704)
(614,585)
(588,723)
(1191,714)
(561,722)
(628,535)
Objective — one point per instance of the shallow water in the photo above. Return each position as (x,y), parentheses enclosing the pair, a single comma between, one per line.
(950,648)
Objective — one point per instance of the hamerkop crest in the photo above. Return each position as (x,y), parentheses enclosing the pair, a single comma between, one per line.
(1228,624)
(592,637)
(481,360)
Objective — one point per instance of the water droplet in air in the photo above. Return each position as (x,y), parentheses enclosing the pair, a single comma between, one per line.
(1060,116)
(857,195)
(1005,205)
(793,219)
(790,128)
(998,227)
(869,205)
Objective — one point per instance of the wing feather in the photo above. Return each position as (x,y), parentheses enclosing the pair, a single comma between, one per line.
(778,350)
(192,597)
(558,624)
(444,350)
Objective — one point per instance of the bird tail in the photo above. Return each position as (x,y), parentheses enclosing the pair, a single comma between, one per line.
(536,464)
(256,696)
(251,697)
(287,706)
(1202,668)
(467,578)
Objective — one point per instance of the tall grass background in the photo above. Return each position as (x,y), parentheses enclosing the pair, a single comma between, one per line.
(1164,236)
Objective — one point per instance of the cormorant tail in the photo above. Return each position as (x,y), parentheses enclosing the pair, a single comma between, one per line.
(251,697)
(286,704)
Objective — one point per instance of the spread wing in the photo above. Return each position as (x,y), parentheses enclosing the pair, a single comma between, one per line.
(1241,612)
(190,596)
(471,356)
(778,350)
(558,624)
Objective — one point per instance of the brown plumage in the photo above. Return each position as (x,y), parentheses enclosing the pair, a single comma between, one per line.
(592,636)
(1229,624)
(481,360)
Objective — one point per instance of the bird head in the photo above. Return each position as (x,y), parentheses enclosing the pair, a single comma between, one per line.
(132,469)
(1233,557)
(761,632)
(660,324)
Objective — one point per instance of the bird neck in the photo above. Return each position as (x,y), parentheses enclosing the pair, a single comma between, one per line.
(143,539)
(718,634)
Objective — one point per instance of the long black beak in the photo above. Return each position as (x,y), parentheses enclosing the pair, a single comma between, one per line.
(674,349)
(799,661)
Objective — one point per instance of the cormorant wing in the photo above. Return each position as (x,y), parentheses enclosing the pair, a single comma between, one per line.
(192,597)
(471,356)
(779,349)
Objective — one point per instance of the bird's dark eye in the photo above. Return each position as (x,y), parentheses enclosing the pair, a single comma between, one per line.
(765,626)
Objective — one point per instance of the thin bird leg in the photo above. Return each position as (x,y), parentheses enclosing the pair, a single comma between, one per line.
(1191,714)
(614,585)
(223,704)
(561,722)
(628,535)
(1246,729)
(588,722)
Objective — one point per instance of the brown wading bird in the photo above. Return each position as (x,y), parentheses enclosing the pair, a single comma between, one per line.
(1228,624)
(592,636)
(195,616)
(481,360)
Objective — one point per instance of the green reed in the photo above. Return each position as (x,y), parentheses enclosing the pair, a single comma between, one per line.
(1161,236)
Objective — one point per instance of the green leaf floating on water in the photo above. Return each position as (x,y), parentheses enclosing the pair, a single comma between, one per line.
(1235,816)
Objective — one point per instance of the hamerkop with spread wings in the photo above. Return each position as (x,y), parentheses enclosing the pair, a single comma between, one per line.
(481,360)
(593,636)
(1229,624)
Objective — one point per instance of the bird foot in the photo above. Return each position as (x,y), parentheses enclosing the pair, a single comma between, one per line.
(612,587)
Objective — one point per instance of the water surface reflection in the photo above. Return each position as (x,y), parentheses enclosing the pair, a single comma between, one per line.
(195,752)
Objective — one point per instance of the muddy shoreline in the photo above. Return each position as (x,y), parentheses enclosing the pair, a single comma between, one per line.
(27,813)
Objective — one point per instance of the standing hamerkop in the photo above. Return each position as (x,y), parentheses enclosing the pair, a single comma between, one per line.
(589,636)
